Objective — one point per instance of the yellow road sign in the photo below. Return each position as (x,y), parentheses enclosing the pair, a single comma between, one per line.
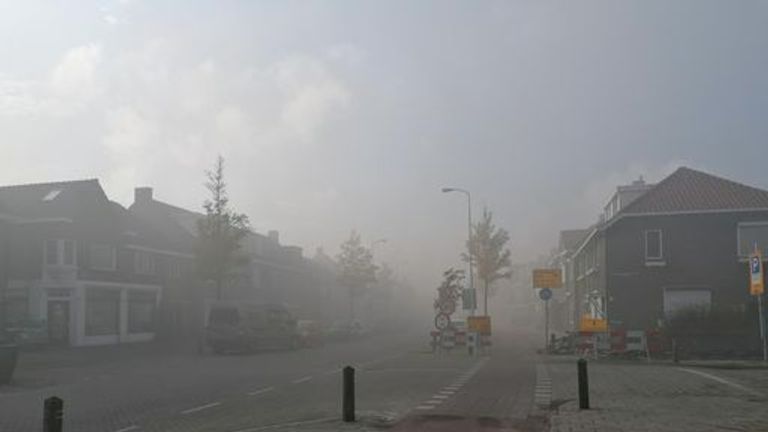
(479,324)
(547,278)
(756,279)
(593,325)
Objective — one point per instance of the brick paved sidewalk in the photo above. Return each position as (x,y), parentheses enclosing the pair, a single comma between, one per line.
(651,397)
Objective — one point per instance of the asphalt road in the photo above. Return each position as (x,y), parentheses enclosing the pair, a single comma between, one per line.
(399,385)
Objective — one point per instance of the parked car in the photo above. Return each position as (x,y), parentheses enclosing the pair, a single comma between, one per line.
(346,330)
(239,327)
(311,333)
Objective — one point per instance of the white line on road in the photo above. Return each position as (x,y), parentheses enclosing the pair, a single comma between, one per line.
(440,396)
(129,428)
(301,380)
(425,407)
(261,391)
(722,381)
(282,425)
(200,408)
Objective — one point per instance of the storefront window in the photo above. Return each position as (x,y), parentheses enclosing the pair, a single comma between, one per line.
(102,311)
(141,311)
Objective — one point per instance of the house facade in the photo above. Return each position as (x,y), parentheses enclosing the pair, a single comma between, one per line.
(80,265)
(676,245)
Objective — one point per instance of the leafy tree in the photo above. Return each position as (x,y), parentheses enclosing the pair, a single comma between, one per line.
(487,251)
(220,232)
(356,268)
(450,288)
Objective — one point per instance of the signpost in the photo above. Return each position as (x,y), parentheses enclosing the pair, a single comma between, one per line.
(547,279)
(757,288)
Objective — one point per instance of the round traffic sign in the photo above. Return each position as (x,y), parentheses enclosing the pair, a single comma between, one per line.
(448,307)
(545,294)
(442,321)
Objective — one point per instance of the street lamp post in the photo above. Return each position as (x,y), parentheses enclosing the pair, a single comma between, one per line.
(469,241)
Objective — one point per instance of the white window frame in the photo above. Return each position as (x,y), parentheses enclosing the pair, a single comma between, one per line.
(60,247)
(112,249)
(139,266)
(649,258)
(738,237)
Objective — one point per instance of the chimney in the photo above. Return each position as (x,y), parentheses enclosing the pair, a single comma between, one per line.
(274,236)
(142,195)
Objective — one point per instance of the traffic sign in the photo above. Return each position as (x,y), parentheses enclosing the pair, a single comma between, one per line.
(479,324)
(756,280)
(448,306)
(442,321)
(468,299)
(593,325)
(545,294)
(547,278)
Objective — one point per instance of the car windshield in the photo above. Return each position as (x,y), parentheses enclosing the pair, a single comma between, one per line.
(392,215)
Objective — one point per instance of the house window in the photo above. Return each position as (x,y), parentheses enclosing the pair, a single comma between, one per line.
(749,235)
(174,268)
(682,300)
(144,263)
(60,252)
(102,311)
(141,311)
(653,245)
(102,257)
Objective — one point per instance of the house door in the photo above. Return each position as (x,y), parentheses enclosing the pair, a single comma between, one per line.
(58,322)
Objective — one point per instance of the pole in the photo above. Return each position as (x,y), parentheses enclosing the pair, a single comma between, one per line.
(471,258)
(583,384)
(546,326)
(348,397)
(762,326)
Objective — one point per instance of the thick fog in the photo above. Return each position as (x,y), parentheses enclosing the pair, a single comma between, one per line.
(349,115)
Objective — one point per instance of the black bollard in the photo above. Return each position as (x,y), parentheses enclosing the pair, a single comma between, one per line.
(675,351)
(583,385)
(348,405)
(53,414)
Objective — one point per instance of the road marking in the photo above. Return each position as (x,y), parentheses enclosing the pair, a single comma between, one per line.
(258,392)
(200,408)
(301,380)
(440,396)
(446,392)
(425,407)
(282,425)
(722,381)
(129,428)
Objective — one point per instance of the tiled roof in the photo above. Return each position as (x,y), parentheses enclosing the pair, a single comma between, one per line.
(56,199)
(688,190)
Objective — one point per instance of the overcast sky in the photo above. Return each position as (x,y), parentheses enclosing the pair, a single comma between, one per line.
(340,115)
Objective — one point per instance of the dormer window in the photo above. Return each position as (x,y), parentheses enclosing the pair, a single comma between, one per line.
(52,195)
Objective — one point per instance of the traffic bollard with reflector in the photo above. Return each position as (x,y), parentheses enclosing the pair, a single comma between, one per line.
(53,414)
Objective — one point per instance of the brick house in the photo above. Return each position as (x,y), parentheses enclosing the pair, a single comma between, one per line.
(81,265)
(678,244)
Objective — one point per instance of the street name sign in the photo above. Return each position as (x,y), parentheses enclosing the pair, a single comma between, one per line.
(547,278)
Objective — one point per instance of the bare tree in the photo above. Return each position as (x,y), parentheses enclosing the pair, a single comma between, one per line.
(487,250)
(219,232)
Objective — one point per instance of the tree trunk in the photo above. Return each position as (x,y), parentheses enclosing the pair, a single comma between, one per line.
(351,304)
(485,297)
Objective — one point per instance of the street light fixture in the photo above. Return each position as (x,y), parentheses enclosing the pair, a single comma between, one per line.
(469,237)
